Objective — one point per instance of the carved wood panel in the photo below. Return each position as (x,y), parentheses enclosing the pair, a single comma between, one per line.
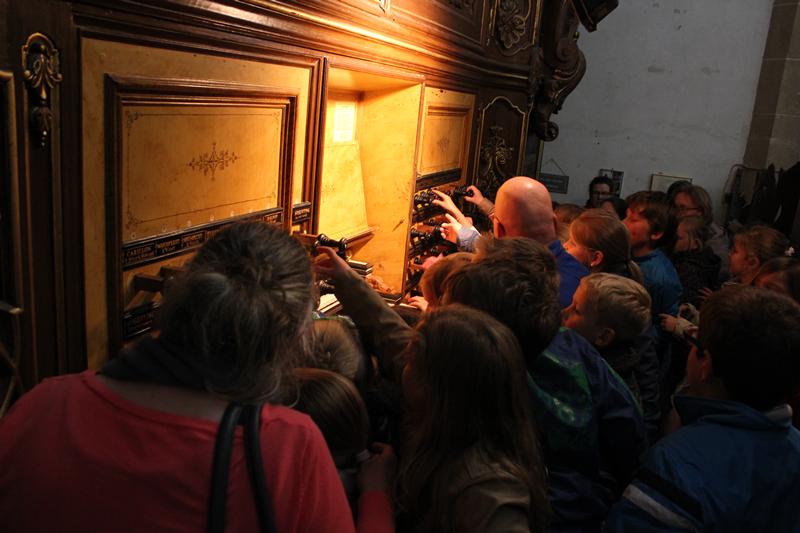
(512,29)
(501,141)
(167,192)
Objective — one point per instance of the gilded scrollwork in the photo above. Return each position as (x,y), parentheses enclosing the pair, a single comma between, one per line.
(41,73)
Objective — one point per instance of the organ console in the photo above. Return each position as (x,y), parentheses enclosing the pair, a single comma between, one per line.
(148,126)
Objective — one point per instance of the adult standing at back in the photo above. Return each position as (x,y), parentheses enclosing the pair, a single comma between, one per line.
(523,208)
(601,188)
(693,201)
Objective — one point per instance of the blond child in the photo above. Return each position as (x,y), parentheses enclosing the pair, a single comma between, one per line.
(611,312)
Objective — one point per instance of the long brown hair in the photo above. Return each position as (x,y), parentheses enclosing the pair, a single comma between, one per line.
(466,391)
(600,230)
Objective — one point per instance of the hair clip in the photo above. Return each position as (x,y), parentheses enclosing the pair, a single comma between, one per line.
(789,252)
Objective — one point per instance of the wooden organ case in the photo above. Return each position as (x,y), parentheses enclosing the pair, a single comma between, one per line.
(133,130)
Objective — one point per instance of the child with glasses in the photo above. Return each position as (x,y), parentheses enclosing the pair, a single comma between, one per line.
(734,464)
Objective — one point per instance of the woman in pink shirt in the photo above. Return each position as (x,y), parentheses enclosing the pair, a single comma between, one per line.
(131,448)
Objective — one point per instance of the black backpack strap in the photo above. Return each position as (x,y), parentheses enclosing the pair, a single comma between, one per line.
(250,417)
(252,435)
(221,465)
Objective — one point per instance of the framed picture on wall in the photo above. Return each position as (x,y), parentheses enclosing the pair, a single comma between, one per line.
(661,182)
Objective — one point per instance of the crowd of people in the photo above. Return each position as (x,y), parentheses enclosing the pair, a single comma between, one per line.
(622,366)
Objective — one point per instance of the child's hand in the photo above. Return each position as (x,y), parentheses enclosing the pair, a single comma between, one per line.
(446,203)
(668,322)
(451,228)
(330,265)
(419,302)
(689,312)
(377,473)
(704,293)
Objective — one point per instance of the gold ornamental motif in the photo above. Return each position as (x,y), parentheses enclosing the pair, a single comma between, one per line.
(210,162)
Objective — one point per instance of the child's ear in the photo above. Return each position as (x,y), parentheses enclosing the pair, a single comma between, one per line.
(656,236)
(597,258)
(605,337)
(752,262)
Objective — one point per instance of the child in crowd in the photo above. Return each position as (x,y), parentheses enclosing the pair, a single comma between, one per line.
(334,404)
(782,275)
(652,231)
(689,200)
(565,215)
(611,312)
(615,205)
(734,465)
(432,281)
(696,264)
(335,346)
(599,241)
(752,247)
(590,424)
(472,462)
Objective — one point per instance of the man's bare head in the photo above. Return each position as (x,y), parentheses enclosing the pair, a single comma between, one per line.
(524,209)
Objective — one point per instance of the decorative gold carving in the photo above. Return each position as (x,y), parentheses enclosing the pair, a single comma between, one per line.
(561,63)
(211,161)
(494,155)
(510,23)
(41,72)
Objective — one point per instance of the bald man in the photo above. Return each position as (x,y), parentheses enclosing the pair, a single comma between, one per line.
(524,208)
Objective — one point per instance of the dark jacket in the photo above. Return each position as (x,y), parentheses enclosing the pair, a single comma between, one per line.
(729,468)
(696,270)
(637,365)
(591,430)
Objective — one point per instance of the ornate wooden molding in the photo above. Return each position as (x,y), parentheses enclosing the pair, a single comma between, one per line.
(510,22)
(593,11)
(561,63)
(41,72)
